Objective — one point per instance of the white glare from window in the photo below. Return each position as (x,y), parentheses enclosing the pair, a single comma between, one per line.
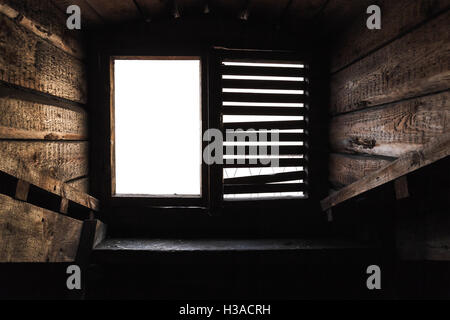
(158,127)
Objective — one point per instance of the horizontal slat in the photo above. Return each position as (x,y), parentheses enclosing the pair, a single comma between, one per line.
(282,136)
(293,124)
(282,150)
(264,84)
(262,97)
(263,71)
(264,111)
(263,188)
(267,178)
(290,162)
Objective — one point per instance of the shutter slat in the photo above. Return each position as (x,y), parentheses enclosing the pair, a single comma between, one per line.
(262,163)
(282,150)
(264,84)
(269,125)
(264,97)
(263,71)
(263,188)
(264,111)
(267,178)
(282,136)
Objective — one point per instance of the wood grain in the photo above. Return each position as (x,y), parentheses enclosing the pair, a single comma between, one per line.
(393,129)
(32,234)
(21,119)
(413,65)
(45,20)
(29,61)
(438,148)
(115,11)
(81,184)
(398,17)
(59,160)
(346,169)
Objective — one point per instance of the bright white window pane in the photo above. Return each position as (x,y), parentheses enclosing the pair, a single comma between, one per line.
(158,127)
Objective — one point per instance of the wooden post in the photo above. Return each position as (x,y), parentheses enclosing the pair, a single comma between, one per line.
(22,190)
(64,206)
(401,188)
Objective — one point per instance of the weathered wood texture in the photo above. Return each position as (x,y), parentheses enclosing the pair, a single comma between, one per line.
(89,17)
(45,20)
(22,170)
(115,11)
(81,184)
(21,119)
(397,17)
(32,234)
(438,148)
(346,169)
(31,62)
(416,64)
(393,129)
(59,160)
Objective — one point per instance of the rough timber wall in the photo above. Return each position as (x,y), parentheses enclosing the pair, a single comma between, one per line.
(390,95)
(43,95)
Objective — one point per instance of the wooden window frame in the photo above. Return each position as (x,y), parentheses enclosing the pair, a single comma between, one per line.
(159,200)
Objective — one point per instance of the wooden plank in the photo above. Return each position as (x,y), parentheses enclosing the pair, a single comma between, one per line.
(263,188)
(263,162)
(89,17)
(267,178)
(63,208)
(31,62)
(18,168)
(416,64)
(46,21)
(261,97)
(401,188)
(346,169)
(398,17)
(257,150)
(59,160)
(393,129)
(155,9)
(282,136)
(21,119)
(289,124)
(22,189)
(81,184)
(263,71)
(32,234)
(264,84)
(266,10)
(264,111)
(438,148)
(301,12)
(116,11)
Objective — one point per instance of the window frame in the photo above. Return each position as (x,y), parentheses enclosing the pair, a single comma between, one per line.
(132,200)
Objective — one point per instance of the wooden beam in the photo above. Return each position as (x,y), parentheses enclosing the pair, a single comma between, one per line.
(17,168)
(20,119)
(261,97)
(289,124)
(31,62)
(436,149)
(401,188)
(46,21)
(32,234)
(398,17)
(267,178)
(22,189)
(415,64)
(393,129)
(263,188)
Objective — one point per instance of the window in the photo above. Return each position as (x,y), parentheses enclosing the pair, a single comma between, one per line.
(264,105)
(158,127)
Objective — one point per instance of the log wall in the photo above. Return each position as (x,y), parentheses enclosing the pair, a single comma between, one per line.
(389,87)
(43,117)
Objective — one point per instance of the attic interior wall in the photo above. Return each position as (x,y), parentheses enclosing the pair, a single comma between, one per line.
(390,95)
(43,97)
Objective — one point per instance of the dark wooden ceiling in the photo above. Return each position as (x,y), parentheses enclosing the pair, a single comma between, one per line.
(294,14)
